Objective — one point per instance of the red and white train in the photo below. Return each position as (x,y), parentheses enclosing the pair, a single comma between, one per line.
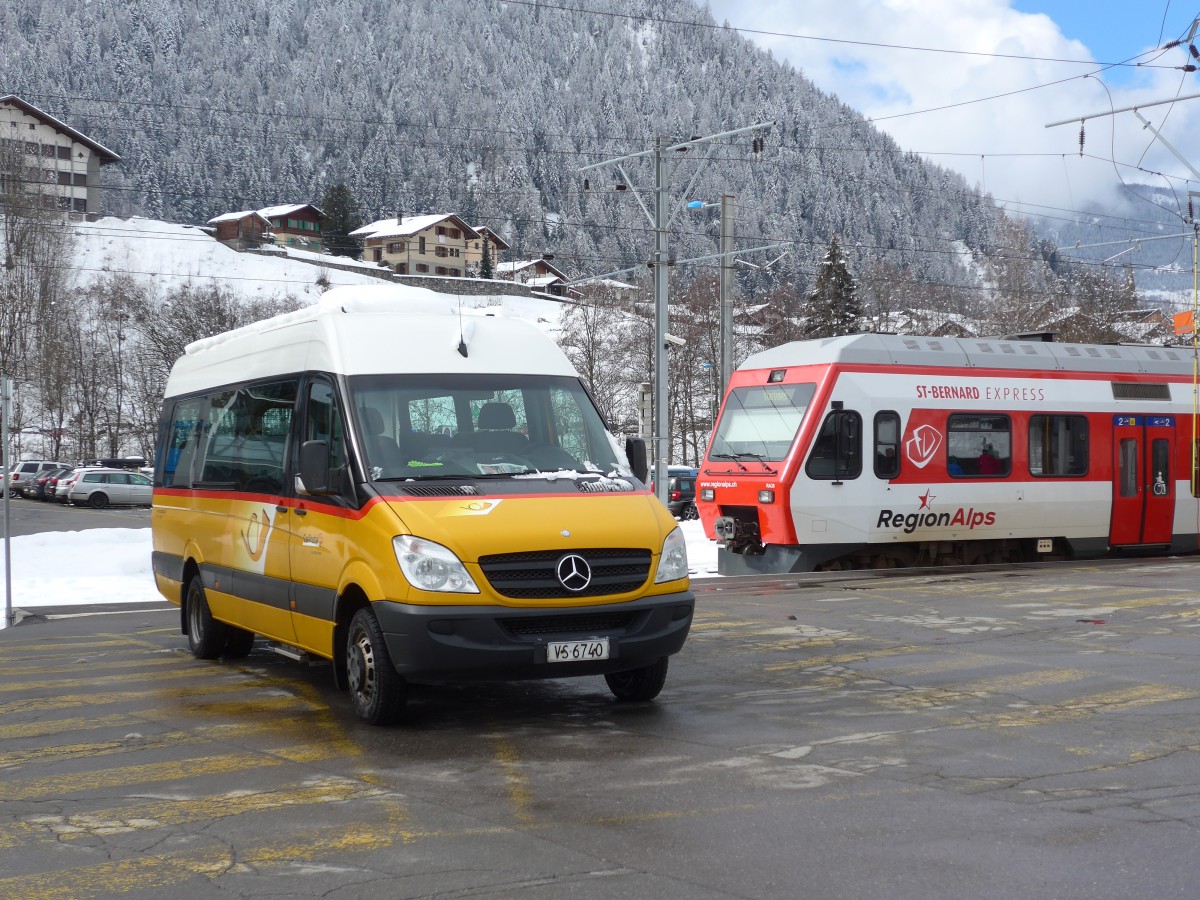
(880,451)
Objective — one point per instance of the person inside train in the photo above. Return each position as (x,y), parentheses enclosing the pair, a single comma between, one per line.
(988,464)
(955,467)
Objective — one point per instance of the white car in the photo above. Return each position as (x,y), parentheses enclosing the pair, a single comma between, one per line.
(23,474)
(99,488)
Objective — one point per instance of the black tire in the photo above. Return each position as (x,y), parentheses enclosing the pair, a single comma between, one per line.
(377,691)
(689,512)
(206,636)
(98,500)
(239,643)
(638,685)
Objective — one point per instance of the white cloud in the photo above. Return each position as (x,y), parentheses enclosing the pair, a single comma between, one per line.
(882,82)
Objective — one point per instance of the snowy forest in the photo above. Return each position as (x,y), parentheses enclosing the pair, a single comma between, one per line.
(489,109)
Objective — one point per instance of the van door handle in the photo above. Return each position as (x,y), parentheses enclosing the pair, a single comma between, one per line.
(281,509)
(301,511)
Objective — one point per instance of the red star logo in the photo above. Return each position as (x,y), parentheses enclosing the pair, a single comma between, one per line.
(926,499)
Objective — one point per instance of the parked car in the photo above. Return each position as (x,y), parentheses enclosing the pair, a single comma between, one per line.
(681,491)
(43,486)
(21,475)
(66,480)
(99,488)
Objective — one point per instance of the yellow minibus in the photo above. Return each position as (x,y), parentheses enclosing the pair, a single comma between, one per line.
(417,493)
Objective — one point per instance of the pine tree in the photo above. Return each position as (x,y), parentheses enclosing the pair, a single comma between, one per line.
(833,301)
(486,270)
(341,218)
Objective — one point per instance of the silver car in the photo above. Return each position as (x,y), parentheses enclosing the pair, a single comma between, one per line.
(99,488)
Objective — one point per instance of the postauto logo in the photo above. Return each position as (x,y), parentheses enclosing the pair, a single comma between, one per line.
(926,516)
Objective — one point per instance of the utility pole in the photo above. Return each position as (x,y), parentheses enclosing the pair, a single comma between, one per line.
(662,218)
(728,211)
(5,403)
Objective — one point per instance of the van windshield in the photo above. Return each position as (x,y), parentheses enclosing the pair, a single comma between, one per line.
(478,425)
(760,422)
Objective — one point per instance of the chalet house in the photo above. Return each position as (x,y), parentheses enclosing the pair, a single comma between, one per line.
(296,225)
(496,244)
(248,228)
(538,274)
(51,159)
(420,245)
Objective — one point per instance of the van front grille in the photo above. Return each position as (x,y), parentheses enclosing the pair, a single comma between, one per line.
(534,576)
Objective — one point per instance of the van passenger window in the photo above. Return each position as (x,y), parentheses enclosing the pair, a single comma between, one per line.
(323,422)
(181,440)
(247,437)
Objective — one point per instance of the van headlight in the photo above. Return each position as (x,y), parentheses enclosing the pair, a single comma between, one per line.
(673,562)
(432,567)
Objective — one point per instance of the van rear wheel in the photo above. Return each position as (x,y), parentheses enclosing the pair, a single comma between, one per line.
(206,636)
(376,689)
(638,684)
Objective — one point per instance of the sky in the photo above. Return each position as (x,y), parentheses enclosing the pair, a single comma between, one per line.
(936,103)
(112,565)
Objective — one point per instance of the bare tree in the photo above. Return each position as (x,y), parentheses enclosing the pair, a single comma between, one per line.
(34,277)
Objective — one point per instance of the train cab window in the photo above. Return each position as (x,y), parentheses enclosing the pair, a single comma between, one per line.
(1058,445)
(978,446)
(887,445)
(760,421)
(837,451)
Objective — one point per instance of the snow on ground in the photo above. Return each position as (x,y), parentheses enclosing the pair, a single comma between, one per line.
(170,255)
(112,565)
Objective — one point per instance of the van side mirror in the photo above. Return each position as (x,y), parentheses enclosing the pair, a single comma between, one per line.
(314,468)
(635,452)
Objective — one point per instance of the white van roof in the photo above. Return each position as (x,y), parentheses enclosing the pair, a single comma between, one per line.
(371,330)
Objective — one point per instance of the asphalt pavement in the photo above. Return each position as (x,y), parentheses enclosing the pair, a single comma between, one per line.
(1022,733)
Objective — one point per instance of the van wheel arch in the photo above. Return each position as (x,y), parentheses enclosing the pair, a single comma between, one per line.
(190,570)
(351,600)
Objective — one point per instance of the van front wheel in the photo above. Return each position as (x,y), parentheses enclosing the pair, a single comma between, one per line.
(206,636)
(376,690)
(638,684)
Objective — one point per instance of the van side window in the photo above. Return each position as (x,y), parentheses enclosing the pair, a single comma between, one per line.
(181,440)
(323,422)
(837,451)
(247,437)
(887,444)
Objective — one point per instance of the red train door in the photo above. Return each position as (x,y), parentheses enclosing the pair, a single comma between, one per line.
(1143,507)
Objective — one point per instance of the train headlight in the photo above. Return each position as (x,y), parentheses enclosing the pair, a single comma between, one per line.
(673,562)
(708,495)
(431,566)
(766,496)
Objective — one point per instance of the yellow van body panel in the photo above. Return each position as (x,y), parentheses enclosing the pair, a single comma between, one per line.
(309,543)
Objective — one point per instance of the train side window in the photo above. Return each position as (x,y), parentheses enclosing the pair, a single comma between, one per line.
(837,451)
(980,444)
(1160,467)
(1058,445)
(1127,462)
(887,444)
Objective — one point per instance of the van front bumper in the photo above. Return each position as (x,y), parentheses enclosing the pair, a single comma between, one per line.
(473,643)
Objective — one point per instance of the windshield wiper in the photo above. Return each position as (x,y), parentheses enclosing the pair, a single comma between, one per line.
(733,457)
(762,460)
(737,457)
